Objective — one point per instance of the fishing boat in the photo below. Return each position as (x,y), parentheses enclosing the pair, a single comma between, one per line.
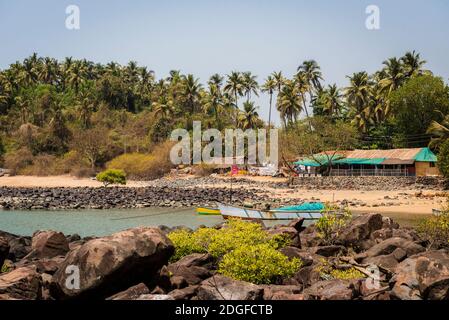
(273,215)
(208,211)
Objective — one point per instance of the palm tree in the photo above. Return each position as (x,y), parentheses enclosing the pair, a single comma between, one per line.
(393,76)
(269,86)
(77,75)
(248,118)
(289,103)
(163,108)
(234,86)
(310,74)
(214,102)
(413,65)
(216,80)
(191,92)
(332,100)
(439,131)
(278,79)
(358,96)
(249,84)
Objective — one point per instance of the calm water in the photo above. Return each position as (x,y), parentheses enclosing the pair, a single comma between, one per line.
(99,222)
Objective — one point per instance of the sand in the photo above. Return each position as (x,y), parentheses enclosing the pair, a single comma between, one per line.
(397,202)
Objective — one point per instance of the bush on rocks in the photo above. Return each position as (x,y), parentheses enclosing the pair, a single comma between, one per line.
(329,225)
(245,250)
(436,230)
(259,264)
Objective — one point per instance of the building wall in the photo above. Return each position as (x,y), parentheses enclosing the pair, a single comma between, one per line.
(425,169)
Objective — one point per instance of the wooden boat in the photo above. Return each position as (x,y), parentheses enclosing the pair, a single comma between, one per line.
(253,214)
(208,211)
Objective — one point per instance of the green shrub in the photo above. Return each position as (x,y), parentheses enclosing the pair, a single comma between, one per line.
(234,234)
(259,264)
(112,176)
(18,160)
(347,274)
(443,159)
(436,230)
(5,268)
(330,224)
(186,242)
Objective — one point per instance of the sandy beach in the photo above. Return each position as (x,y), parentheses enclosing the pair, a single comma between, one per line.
(398,202)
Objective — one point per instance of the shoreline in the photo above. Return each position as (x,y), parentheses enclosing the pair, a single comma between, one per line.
(66,192)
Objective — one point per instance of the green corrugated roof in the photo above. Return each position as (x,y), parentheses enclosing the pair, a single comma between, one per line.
(425,155)
(347,161)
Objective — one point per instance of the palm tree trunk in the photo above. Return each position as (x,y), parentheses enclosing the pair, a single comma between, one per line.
(305,109)
(269,113)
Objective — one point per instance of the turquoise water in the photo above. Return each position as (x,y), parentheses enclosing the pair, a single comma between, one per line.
(99,222)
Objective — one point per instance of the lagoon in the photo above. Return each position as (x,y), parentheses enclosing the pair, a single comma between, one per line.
(99,222)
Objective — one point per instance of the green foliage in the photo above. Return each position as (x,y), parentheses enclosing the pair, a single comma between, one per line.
(5,268)
(328,271)
(260,264)
(443,159)
(436,230)
(417,103)
(330,224)
(145,166)
(186,242)
(235,244)
(112,176)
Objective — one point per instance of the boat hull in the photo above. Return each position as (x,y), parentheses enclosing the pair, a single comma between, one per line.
(205,211)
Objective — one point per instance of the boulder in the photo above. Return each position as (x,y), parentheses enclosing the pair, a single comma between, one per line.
(422,276)
(360,229)
(308,258)
(22,283)
(4,250)
(297,224)
(328,251)
(388,246)
(223,288)
(308,275)
(114,263)
(277,292)
(19,246)
(131,293)
(332,290)
(195,260)
(192,275)
(48,244)
(184,294)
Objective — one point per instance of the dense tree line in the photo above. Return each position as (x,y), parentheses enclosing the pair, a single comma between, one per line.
(89,113)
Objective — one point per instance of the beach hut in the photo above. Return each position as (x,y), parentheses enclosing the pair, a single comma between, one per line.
(393,162)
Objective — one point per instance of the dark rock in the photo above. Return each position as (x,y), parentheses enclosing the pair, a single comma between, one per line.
(193,274)
(328,251)
(131,293)
(223,288)
(306,256)
(178,282)
(48,244)
(360,229)
(4,250)
(114,263)
(332,290)
(389,246)
(297,224)
(422,276)
(195,260)
(22,283)
(277,292)
(155,297)
(184,294)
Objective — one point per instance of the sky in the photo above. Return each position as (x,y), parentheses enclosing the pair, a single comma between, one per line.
(217,36)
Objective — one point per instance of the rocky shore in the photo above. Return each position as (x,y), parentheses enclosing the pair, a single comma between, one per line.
(121,197)
(134,265)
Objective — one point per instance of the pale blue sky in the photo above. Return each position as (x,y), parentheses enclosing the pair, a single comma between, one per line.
(204,37)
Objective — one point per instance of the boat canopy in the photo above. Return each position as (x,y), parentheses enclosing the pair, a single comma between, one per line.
(306,206)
